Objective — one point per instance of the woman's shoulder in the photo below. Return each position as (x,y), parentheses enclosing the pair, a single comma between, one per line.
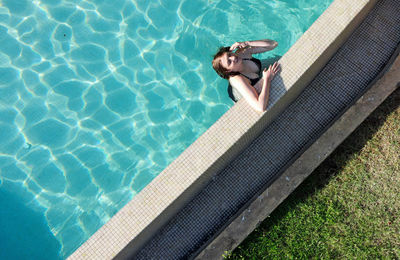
(236,78)
(238,81)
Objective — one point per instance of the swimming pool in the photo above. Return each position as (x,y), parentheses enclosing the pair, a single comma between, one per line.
(98,97)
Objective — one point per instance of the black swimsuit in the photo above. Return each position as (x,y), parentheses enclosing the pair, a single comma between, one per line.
(252,81)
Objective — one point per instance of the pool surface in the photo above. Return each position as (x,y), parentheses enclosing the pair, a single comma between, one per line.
(98,97)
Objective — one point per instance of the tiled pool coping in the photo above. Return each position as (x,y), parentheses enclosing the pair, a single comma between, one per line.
(130,228)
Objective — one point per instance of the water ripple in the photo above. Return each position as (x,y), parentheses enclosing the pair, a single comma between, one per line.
(98,97)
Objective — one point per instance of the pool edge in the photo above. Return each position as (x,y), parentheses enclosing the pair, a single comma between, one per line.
(130,228)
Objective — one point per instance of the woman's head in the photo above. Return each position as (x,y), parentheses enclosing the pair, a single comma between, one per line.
(226,63)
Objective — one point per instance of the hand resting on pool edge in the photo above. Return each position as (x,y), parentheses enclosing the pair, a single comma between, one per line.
(243,71)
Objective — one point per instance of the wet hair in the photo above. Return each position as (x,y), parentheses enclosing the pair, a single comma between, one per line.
(216,63)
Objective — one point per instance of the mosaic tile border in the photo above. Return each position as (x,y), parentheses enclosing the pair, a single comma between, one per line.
(159,201)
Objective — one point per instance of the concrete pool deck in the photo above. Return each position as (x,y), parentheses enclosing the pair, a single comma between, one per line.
(206,160)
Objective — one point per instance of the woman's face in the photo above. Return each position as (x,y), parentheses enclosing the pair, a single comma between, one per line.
(231,61)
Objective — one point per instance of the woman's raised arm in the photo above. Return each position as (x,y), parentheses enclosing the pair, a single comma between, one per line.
(253,47)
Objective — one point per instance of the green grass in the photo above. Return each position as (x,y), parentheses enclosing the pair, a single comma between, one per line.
(349,207)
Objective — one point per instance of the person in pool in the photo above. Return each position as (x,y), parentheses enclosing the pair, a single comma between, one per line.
(237,65)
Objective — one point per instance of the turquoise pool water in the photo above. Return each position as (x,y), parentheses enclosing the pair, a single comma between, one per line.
(97,97)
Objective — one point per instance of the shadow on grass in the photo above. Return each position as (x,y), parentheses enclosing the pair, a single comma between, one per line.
(333,165)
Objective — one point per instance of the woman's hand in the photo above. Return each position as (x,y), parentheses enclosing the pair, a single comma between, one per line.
(272,70)
(239,45)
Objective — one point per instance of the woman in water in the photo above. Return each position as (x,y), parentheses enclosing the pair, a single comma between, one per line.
(243,71)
